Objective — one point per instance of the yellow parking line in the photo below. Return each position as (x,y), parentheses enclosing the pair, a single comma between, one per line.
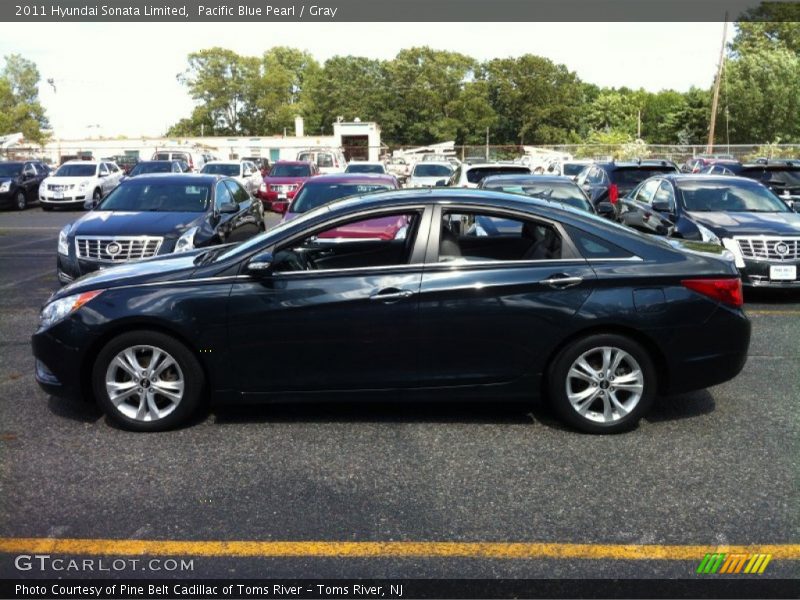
(500,550)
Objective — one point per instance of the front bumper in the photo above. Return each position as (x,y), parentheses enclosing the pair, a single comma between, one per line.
(756,274)
(69,198)
(59,352)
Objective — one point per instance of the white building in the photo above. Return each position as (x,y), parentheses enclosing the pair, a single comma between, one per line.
(357,139)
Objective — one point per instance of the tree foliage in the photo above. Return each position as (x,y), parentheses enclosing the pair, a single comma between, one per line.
(20,109)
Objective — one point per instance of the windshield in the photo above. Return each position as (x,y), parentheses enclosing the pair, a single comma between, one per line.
(572,169)
(221,169)
(290,171)
(706,196)
(423,170)
(781,177)
(364,168)
(76,171)
(159,196)
(630,178)
(10,169)
(567,192)
(151,167)
(315,195)
(476,174)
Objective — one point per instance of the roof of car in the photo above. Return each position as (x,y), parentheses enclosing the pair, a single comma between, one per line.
(627,164)
(442,163)
(290,162)
(532,178)
(495,165)
(225,162)
(353,178)
(727,179)
(199,178)
(77,161)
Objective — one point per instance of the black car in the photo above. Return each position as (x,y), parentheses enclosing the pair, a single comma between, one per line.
(19,182)
(609,181)
(757,227)
(152,215)
(781,176)
(592,314)
(149,167)
(547,187)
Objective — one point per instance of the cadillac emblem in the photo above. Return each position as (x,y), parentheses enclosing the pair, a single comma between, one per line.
(781,249)
(114,248)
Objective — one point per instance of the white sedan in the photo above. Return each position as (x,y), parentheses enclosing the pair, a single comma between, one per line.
(244,171)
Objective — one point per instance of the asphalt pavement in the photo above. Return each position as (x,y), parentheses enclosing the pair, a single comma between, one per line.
(715,468)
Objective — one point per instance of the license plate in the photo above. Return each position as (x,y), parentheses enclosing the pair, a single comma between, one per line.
(58,195)
(783,272)
(281,196)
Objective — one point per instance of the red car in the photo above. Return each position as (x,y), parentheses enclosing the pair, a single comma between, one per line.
(283,181)
(327,188)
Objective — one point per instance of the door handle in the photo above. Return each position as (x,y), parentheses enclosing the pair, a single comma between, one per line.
(391,294)
(561,281)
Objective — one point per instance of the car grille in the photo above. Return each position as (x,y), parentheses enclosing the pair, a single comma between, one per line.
(117,249)
(59,188)
(767,248)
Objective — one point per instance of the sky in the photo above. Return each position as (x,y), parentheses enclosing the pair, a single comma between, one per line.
(120,78)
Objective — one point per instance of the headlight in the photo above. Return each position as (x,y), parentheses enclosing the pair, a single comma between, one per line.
(63,244)
(5,186)
(733,246)
(262,187)
(186,241)
(707,235)
(55,311)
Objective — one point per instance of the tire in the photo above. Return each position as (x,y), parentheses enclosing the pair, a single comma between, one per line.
(585,398)
(20,201)
(157,401)
(97,195)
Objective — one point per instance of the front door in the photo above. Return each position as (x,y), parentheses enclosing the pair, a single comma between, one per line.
(336,311)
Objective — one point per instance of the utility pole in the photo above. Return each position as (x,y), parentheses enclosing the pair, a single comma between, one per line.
(639,125)
(487,144)
(715,99)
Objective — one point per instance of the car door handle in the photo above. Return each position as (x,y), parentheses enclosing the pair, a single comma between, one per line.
(561,281)
(391,294)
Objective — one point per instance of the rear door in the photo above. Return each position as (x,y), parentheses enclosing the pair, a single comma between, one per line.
(494,304)
(245,223)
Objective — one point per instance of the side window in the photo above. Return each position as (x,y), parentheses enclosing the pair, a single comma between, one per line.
(455,177)
(238,193)
(483,236)
(591,246)
(666,194)
(103,169)
(29,169)
(646,192)
(222,195)
(595,176)
(382,241)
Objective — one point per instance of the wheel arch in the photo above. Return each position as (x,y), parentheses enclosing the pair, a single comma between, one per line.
(90,355)
(656,355)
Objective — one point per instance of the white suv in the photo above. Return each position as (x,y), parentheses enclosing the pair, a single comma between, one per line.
(470,176)
(243,171)
(328,160)
(195,160)
(77,181)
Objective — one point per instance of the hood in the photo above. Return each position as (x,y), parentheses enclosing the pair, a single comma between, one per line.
(168,267)
(730,224)
(4,179)
(105,222)
(68,180)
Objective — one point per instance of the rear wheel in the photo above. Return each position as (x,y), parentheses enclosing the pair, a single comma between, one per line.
(147,381)
(602,383)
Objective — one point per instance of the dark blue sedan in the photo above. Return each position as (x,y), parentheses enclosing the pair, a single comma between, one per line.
(590,314)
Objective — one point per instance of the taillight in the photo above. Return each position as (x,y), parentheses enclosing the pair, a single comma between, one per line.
(613,193)
(727,291)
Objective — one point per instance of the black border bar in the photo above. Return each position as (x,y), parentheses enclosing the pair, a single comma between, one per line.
(212,589)
(390,10)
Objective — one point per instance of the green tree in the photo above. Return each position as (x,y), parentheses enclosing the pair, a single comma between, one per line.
(772,25)
(20,109)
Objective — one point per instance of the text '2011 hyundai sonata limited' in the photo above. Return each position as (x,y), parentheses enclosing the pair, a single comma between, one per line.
(556,302)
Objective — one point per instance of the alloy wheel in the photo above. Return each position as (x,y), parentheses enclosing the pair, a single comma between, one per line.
(604,384)
(144,383)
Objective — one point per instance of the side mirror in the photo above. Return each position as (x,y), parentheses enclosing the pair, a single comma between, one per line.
(662,206)
(260,264)
(606,210)
(441,183)
(101,175)
(228,208)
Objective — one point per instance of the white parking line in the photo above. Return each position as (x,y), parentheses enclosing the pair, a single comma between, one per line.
(26,279)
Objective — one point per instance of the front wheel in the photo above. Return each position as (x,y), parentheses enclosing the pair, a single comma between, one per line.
(147,381)
(602,383)
(20,201)
(98,195)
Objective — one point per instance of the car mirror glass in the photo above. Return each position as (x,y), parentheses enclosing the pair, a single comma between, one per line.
(228,208)
(260,264)
(606,210)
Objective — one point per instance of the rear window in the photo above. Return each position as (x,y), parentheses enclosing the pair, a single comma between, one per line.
(633,176)
(363,168)
(290,171)
(429,170)
(476,174)
(780,177)
(161,156)
(573,169)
